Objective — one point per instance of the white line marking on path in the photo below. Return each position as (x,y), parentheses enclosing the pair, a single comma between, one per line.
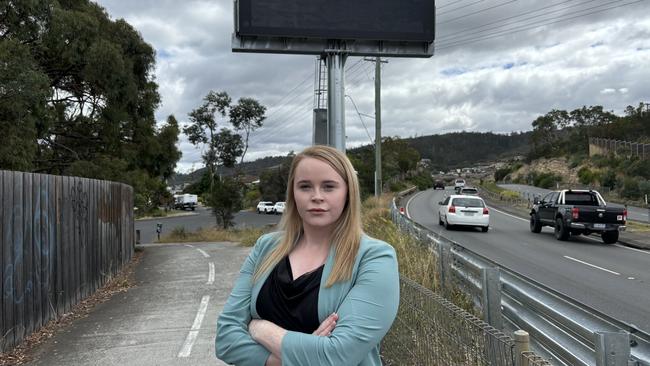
(194,332)
(507,214)
(200,250)
(211,274)
(592,265)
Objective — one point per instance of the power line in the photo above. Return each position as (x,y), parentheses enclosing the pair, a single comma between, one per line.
(531,26)
(454,35)
(477,12)
(460,7)
(361,119)
(450,4)
(291,119)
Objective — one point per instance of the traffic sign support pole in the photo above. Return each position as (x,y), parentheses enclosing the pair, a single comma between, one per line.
(336,99)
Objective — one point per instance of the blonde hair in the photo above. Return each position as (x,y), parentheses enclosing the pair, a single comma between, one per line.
(346,236)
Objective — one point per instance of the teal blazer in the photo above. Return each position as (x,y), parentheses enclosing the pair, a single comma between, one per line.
(366,305)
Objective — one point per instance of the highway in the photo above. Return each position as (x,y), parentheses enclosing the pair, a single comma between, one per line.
(633,213)
(613,279)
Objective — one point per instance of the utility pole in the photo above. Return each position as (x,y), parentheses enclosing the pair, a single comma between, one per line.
(378,182)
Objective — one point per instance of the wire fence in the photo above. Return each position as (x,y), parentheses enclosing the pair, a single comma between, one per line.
(430,330)
(620,148)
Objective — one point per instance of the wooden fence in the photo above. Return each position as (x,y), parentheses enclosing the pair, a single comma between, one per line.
(62,238)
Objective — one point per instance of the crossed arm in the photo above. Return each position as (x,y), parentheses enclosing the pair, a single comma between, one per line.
(270,335)
(363,318)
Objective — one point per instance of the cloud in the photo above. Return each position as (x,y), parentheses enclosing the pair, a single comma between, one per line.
(497,66)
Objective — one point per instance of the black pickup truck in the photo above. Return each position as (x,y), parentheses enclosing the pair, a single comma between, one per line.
(575,212)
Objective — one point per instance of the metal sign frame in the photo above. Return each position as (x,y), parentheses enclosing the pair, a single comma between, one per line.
(314,44)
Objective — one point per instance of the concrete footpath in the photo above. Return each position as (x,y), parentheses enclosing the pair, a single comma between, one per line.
(169,318)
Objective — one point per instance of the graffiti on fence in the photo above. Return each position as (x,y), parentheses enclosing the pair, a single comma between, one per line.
(79,200)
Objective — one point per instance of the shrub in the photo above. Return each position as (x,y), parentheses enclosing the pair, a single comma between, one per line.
(576,160)
(630,188)
(640,168)
(644,188)
(586,176)
(608,179)
(397,186)
(422,181)
(501,173)
(545,180)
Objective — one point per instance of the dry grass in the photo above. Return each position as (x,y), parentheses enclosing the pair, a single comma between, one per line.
(416,261)
(121,282)
(247,236)
(637,227)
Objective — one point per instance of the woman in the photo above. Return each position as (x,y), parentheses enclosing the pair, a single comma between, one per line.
(319,292)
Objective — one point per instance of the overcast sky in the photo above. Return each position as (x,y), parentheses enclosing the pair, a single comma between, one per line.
(498,64)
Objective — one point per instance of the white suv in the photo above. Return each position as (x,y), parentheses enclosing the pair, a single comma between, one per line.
(265,207)
(459,184)
(278,208)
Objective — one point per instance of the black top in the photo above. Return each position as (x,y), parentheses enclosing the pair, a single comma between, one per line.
(292,305)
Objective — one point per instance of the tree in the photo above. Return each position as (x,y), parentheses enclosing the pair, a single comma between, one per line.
(77,96)
(23,93)
(273,182)
(247,116)
(204,127)
(225,199)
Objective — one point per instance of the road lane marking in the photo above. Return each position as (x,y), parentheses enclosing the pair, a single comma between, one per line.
(507,214)
(634,249)
(211,274)
(194,332)
(406,209)
(592,265)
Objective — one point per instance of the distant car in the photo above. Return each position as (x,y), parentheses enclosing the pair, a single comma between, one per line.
(278,208)
(458,184)
(464,210)
(469,191)
(185,201)
(265,207)
(438,184)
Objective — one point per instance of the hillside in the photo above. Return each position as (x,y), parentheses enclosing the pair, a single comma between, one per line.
(452,150)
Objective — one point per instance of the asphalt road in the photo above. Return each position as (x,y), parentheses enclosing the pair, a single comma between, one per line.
(201,218)
(633,213)
(613,279)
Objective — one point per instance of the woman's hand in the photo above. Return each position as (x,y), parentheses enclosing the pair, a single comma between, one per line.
(327,326)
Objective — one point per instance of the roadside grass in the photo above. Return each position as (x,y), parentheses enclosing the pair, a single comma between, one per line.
(634,226)
(416,261)
(246,236)
(494,188)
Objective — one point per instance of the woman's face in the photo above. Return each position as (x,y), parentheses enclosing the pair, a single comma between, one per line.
(320,193)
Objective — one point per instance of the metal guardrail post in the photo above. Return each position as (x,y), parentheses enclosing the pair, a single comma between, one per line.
(492,297)
(441,266)
(612,348)
(522,344)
